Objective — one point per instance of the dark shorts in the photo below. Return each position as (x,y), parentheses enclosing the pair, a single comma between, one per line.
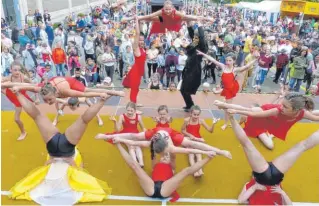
(272,176)
(59,146)
(157,190)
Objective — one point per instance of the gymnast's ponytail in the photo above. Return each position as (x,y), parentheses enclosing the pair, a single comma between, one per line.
(300,101)
(152,149)
(309,103)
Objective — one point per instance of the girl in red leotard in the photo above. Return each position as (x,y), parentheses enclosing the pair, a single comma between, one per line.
(163,120)
(168,18)
(61,87)
(129,122)
(269,175)
(191,129)
(274,119)
(18,74)
(228,79)
(254,193)
(163,182)
(133,79)
(174,140)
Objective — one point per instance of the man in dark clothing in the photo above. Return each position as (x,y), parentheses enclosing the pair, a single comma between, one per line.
(46,17)
(191,76)
(79,77)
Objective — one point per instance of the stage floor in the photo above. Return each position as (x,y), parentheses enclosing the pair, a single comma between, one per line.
(221,183)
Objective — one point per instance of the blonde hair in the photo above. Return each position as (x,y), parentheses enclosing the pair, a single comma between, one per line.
(195,107)
(131,105)
(162,107)
(23,70)
(300,101)
(47,89)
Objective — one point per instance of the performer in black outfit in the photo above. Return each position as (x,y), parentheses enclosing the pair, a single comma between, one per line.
(191,75)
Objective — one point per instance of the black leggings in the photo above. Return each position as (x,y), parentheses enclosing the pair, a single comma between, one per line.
(272,176)
(151,67)
(59,146)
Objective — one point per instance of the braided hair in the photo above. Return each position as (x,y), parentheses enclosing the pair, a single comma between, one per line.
(300,101)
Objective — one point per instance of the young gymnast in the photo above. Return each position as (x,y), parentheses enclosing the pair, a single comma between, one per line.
(163,119)
(128,123)
(254,193)
(168,18)
(61,87)
(163,182)
(176,137)
(274,119)
(230,86)
(20,75)
(133,78)
(70,184)
(191,129)
(270,174)
(73,103)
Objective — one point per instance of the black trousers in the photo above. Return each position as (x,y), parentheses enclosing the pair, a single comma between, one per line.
(278,73)
(121,65)
(187,99)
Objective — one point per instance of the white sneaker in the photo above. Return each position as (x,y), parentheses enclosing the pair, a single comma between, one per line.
(61,112)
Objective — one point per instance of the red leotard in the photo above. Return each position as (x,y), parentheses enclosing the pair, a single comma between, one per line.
(277,125)
(230,85)
(73,83)
(263,197)
(162,172)
(193,129)
(177,138)
(133,78)
(13,98)
(159,124)
(170,22)
(130,125)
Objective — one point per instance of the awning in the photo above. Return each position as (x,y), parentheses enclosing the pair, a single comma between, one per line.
(312,9)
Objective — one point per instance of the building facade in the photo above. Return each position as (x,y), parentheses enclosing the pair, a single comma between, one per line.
(14,11)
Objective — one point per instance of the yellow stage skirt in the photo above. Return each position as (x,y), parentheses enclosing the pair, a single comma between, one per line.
(60,183)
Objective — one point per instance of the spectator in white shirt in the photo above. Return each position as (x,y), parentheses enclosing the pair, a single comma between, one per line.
(108,59)
(181,64)
(6,61)
(43,34)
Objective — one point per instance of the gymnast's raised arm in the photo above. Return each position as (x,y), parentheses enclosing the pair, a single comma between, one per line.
(266,113)
(21,86)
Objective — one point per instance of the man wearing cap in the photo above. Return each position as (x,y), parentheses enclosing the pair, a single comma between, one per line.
(106,84)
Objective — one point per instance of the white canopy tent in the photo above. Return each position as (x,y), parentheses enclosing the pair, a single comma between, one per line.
(271,7)
(264,6)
